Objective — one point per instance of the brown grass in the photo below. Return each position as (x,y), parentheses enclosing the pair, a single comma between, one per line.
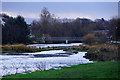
(17,47)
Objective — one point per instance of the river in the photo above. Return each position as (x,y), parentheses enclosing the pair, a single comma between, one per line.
(55,45)
(14,64)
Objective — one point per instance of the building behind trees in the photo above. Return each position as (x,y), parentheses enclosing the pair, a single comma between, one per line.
(16,30)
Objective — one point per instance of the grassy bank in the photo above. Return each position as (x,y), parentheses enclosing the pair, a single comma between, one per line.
(100,52)
(20,48)
(103,52)
(90,70)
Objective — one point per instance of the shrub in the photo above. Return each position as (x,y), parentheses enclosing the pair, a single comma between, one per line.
(102,52)
(80,48)
(90,39)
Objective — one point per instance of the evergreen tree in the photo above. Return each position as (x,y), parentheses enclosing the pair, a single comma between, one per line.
(14,30)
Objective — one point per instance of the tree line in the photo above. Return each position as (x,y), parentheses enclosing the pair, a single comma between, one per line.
(56,28)
(16,30)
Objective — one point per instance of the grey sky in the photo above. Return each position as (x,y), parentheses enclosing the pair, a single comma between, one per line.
(92,10)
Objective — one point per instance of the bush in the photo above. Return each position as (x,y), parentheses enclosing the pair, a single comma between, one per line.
(80,48)
(102,52)
(90,39)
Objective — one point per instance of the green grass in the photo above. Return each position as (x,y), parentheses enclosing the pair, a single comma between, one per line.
(90,70)
(10,51)
(0,51)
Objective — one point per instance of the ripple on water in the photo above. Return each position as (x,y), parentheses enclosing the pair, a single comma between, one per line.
(12,64)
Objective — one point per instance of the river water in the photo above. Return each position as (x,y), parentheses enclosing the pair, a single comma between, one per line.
(55,45)
(14,64)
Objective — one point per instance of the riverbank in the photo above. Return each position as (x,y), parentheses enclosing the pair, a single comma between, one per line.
(99,52)
(89,70)
(21,48)
(102,52)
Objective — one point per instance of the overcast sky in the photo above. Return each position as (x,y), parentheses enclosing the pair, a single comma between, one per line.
(91,10)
